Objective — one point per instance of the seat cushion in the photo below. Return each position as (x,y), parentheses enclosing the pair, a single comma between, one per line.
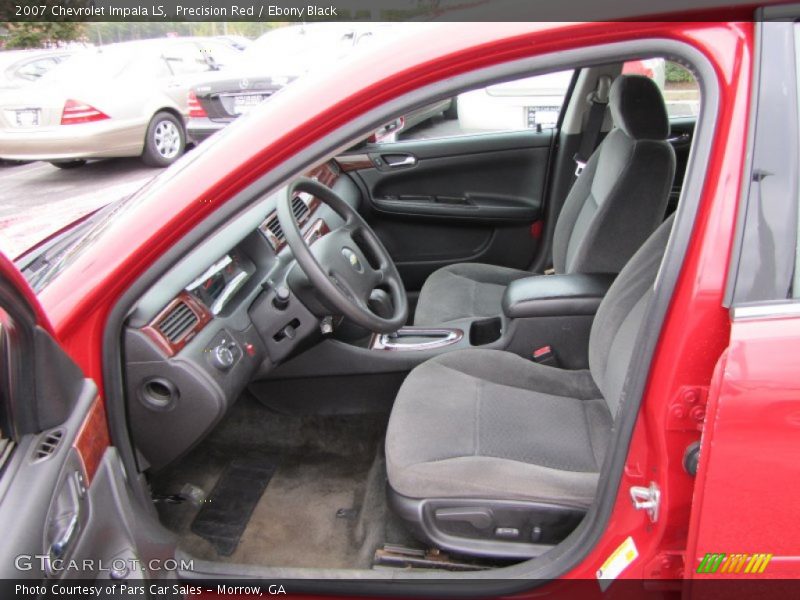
(462,291)
(485,423)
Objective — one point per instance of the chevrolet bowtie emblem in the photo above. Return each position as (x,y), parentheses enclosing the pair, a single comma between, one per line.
(352,259)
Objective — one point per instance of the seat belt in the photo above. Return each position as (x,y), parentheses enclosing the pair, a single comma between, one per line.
(591,132)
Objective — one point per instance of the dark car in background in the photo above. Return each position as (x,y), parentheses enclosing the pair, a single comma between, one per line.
(275,60)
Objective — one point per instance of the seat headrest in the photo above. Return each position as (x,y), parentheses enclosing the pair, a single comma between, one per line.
(637,108)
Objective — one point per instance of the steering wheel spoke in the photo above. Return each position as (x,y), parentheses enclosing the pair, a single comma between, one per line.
(347,264)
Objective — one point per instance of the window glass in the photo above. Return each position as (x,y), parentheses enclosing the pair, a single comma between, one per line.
(680,88)
(765,265)
(218,54)
(529,103)
(35,69)
(796,277)
(105,62)
(185,59)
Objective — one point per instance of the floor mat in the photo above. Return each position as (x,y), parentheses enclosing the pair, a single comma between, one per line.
(325,504)
(224,516)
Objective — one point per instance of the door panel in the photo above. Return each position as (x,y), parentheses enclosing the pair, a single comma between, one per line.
(459,199)
(55,442)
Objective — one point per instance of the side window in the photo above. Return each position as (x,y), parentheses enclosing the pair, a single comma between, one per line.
(149,67)
(530,103)
(185,59)
(680,88)
(219,55)
(796,276)
(765,267)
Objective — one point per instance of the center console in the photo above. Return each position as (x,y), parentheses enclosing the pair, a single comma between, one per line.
(537,311)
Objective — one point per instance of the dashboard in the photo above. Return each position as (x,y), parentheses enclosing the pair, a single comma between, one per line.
(222,316)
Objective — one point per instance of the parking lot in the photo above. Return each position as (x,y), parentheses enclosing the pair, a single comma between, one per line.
(37,199)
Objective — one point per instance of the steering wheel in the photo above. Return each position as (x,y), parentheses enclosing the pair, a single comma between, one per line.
(346,265)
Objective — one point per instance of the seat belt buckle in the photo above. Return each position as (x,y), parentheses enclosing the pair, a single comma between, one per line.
(580,165)
(545,356)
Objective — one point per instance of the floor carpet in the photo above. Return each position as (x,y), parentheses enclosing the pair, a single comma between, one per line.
(323,507)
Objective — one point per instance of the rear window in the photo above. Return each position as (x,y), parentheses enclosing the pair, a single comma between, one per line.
(104,63)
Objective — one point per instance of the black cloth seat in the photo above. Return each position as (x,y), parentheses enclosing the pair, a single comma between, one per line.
(489,424)
(615,204)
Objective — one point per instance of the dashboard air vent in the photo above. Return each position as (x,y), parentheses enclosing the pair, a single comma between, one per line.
(274,227)
(177,322)
(48,445)
(299,209)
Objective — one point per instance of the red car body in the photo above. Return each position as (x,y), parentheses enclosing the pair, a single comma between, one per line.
(747,373)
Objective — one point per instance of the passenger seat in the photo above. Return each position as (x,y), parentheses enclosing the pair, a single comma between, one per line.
(618,200)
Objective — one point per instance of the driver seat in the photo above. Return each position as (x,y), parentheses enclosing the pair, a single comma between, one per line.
(491,454)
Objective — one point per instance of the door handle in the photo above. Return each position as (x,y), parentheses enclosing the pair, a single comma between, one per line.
(58,549)
(679,139)
(395,161)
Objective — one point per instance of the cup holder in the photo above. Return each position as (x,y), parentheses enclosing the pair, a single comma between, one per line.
(485,331)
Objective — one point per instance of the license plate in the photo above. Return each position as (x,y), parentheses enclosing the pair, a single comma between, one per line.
(243,104)
(543,116)
(28,117)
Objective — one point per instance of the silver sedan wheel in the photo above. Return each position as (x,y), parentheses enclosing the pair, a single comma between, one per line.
(167,138)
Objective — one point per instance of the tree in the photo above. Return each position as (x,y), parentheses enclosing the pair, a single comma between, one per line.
(42,35)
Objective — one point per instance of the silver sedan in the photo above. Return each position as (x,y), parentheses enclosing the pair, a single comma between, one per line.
(126,99)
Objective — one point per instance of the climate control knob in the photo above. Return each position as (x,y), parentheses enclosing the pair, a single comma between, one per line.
(222,357)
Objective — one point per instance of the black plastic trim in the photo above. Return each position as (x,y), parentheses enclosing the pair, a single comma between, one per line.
(556,295)
(476,534)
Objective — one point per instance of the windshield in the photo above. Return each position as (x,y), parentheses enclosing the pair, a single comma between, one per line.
(80,235)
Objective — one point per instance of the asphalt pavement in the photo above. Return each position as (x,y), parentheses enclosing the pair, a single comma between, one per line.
(37,199)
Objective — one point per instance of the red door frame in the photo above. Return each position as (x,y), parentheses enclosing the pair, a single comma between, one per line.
(696,329)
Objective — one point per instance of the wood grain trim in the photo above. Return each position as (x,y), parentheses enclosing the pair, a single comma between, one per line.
(152,331)
(93,439)
(316,231)
(326,174)
(353,162)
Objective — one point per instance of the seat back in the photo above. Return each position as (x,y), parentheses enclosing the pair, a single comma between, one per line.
(621,195)
(619,317)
